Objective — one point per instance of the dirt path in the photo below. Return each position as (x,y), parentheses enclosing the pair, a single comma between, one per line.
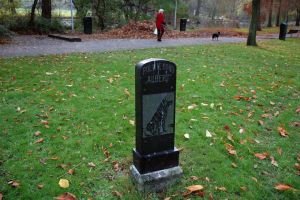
(43,45)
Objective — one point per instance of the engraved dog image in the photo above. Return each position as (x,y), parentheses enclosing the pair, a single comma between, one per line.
(157,125)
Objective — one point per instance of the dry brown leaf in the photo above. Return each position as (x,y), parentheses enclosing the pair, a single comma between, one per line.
(255,179)
(234,165)
(266,115)
(273,161)
(211,197)
(116,166)
(54,158)
(66,196)
(295,124)
(244,188)
(105,152)
(261,156)
(40,186)
(221,188)
(194,178)
(230,149)
(227,128)
(44,122)
(191,107)
(37,133)
(117,194)
(71,171)
(282,132)
(167,198)
(192,189)
(182,87)
(91,164)
(126,91)
(230,137)
(39,140)
(282,187)
(279,151)
(298,109)
(14,184)
(260,122)
(63,183)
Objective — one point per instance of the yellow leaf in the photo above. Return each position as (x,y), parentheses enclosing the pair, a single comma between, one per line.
(64,183)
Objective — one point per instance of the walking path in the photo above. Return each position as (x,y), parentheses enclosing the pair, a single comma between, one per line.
(43,45)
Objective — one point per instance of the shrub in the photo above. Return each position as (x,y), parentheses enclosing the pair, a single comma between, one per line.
(4,33)
(43,25)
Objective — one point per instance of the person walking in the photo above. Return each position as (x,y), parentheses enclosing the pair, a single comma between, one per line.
(160,24)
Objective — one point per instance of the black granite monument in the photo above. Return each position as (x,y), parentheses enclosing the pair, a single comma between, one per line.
(155,159)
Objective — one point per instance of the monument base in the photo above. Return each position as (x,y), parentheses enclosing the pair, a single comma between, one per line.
(155,181)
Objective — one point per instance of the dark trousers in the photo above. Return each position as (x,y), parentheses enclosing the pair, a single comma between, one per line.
(160,33)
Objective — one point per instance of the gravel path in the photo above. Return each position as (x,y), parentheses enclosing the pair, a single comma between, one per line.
(43,45)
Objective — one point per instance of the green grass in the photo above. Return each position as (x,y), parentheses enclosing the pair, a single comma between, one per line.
(85,113)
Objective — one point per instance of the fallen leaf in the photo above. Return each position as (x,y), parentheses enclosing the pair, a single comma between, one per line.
(191,107)
(55,158)
(260,122)
(272,103)
(194,178)
(266,115)
(261,156)
(211,197)
(230,149)
(222,84)
(66,196)
(276,114)
(91,164)
(241,131)
(44,122)
(37,133)
(282,187)
(192,189)
(295,124)
(244,188)
(221,188)
(234,165)
(117,194)
(255,179)
(182,87)
(230,137)
(131,122)
(105,152)
(110,80)
(279,151)
(208,134)
(282,132)
(14,184)
(1,196)
(63,183)
(39,140)
(167,198)
(298,109)
(126,91)
(71,171)
(116,166)
(40,186)
(186,136)
(227,128)
(273,161)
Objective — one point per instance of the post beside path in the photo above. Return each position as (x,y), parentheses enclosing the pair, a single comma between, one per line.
(155,158)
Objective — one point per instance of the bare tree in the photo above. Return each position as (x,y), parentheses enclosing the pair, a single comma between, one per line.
(199,2)
(32,14)
(270,14)
(46,9)
(251,40)
(298,17)
(278,13)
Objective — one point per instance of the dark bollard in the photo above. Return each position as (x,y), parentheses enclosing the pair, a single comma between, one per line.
(283,30)
(183,22)
(87,25)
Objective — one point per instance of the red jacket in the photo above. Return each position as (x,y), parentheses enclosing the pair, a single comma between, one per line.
(160,20)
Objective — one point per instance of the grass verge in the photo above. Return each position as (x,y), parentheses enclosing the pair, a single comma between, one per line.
(78,104)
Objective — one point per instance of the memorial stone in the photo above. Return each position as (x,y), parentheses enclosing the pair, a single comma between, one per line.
(155,159)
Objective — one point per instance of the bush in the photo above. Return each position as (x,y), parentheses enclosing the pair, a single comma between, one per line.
(4,33)
(43,25)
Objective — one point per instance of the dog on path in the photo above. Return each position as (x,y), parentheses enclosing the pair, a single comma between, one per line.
(216,36)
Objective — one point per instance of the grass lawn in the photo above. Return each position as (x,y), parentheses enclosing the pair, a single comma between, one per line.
(71,112)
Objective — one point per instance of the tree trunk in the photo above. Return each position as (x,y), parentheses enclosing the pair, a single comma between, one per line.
(199,2)
(12,7)
(46,9)
(278,14)
(259,18)
(270,14)
(251,40)
(32,14)
(298,17)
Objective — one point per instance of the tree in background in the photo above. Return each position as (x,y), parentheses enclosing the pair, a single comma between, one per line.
(270,13)
(32,14)
(251,40)
(46,9)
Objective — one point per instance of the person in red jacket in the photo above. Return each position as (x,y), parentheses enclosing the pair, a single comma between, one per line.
(160,24)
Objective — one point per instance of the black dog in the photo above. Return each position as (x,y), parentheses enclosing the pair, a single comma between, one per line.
(216,35)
